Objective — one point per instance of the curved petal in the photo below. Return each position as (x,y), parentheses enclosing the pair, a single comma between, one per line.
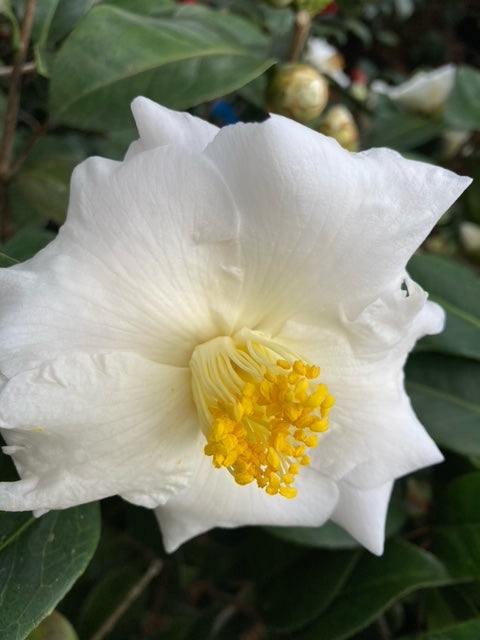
(213,499)
(159,126)
(146,262)
(374,435)
(85,427)
(321,225)
(363,513)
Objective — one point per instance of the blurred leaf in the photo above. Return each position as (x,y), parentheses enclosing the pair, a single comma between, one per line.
(54,627)
(44,181)
(373,586)
(445,395)
(180,61)
(331,536)
(403,131)
(462,110)
(40,559)
(6,260)
(105,597)
(457,290)
(144,7)
(315,580)
(456,537)
(26,243)
(469,630)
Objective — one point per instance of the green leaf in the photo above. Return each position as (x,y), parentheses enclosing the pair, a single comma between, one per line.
(331,536)
(26,243)
(461,110)
(456,539)
(6,260)
(373,586)
(403,131)
(180,61)
(40,559)
(44,181)
(457,290)
(444,394)
(315,580)
(463,631)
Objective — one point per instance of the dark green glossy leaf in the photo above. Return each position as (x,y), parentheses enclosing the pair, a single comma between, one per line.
(445,395)
(40,559)
(315,580)
(462,110)
(180,61)
(457,290)
(373,586)
(457,532)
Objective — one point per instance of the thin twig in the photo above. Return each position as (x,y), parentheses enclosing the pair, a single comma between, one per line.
(22,156)
(153,570)
(28,67)
(303,22)
(13,100)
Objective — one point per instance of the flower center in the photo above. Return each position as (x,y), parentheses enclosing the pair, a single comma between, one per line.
(260,407)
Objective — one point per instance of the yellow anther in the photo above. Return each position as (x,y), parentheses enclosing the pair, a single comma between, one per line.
(273,459)
(288,492)
(260,407)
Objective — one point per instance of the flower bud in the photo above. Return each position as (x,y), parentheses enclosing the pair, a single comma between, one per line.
(298,91)
(470,238)
(339,124)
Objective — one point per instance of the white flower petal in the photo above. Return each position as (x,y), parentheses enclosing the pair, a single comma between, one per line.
(362,513)
(322,225)
(160,126)
(374,435)
(425,92)
(85,427)
(214,500)
(149,249)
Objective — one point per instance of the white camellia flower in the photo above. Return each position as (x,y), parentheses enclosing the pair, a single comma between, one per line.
(219,331)
(425,92)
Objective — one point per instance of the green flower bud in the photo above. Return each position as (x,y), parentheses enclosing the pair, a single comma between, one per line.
(339,124)
(298,91)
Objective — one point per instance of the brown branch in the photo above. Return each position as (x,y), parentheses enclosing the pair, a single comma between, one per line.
(11,117)
(28,67)
(153,570)
(13,100)
(303,22)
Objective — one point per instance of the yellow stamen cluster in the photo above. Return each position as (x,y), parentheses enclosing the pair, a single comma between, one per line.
(265,415)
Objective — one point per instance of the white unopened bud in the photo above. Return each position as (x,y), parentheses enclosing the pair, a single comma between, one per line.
(298,91)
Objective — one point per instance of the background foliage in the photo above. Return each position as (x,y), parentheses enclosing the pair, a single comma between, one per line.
(80,64)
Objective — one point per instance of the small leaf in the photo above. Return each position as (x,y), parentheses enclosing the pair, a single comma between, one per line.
(457,290)
(373,586)
(444,394)
(456,539)
(403,131)
(461,631)
(462,110)
(180,61)
(40,559)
